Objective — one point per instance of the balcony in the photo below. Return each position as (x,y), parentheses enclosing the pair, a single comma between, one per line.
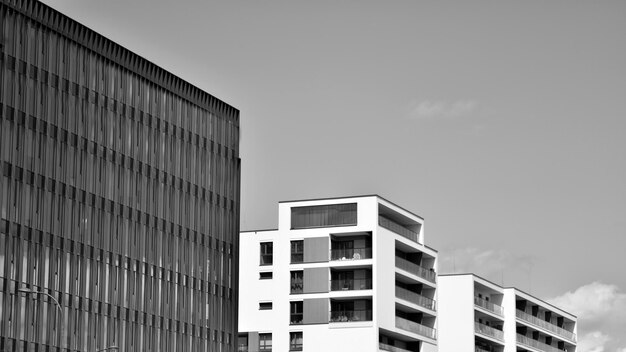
(350,284)
(386,347)
(426,274)
(415,298)
(351,254)
(343,316)
(397,228)
(546,325)
(527,341)
(416,328)
(494,308)
(488,331)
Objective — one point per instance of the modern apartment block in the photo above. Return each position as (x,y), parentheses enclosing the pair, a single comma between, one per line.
(342,274)
(476,315)
(119,196)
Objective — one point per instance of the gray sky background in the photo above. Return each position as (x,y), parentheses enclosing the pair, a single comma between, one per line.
(502,123)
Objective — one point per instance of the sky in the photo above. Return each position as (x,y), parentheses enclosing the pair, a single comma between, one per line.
(503,124)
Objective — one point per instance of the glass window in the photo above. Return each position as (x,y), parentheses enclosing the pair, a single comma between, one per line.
(297,281)
(265,342)
(265,305)
(297,251)
(267,250)
(295,341)
(295,309)
(267,275)
(324,215)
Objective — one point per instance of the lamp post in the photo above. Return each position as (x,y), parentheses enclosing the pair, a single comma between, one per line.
(58,305)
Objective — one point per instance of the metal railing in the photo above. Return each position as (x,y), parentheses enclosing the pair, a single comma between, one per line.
(351,254)
(489,331)
(415,298)
(350,284)
(488,306)
(386,347)
(545,325)
(524,340)
(397,228)
(416,328)
(427,274)
(350,315)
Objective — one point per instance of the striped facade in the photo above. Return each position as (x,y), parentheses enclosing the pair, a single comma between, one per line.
(119,196)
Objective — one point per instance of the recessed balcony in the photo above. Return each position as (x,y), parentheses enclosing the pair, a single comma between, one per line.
(426,274)
(545,325)
(534,344)
(483,303)
(415,298)
(351,254)
(350,284)
(344,316)
(416,328)
(386,347)
(488,331)
(398,228)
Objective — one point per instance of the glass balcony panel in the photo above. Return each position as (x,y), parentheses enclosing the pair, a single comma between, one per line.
(488,331)
(416,328)
(351,284)
(494,308)
(350,315)
(415,298)
(427,274)
(546,325)
(351,254)
(397,228)
(524,340)
(386,347)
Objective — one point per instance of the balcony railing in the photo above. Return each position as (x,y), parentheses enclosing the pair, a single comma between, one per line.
(397,228)
(427,274)
(351,284)
(478,349)
(494,308)
(489,331)
(415,298)
(351,254)
(386,347)
(416,328)
(545,325)
(350,315)
(524,340)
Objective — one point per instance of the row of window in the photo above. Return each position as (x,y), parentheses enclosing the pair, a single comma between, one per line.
(265,342)
(267,252)
(341,250)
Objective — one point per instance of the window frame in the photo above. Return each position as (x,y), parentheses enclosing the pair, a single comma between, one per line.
(266,251)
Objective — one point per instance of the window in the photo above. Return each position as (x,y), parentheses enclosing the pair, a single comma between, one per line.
(295,341)
(297,251)
(265,305)
(267,251)
(295,316)
(297,281)
(265,275)
(265,342)
(323,216)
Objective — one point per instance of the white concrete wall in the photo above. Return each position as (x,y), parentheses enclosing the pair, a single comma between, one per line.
(456,313)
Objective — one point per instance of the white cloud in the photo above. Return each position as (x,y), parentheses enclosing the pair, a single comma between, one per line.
(428,109)
(601,311)
(593,342)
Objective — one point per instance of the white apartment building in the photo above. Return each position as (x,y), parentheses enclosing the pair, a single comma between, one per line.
(476,315)
(341,274)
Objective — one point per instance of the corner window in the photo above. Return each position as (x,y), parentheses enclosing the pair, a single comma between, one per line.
(265,342)
(267,253)
(295,341)
(297,251)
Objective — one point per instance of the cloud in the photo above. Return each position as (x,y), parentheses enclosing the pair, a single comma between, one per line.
(601,311)
(427,109)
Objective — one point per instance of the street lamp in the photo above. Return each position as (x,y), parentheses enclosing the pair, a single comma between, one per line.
(34,292)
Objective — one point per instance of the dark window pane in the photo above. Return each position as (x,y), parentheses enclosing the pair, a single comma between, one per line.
(324,215)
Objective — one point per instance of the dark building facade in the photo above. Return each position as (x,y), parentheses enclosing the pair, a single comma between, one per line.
(119,196)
